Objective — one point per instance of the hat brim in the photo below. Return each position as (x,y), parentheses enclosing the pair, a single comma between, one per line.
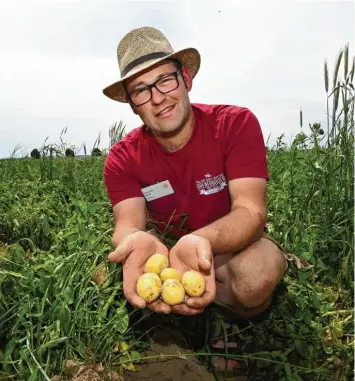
(189,57)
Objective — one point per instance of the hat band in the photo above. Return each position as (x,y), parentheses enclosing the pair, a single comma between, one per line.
(143,59)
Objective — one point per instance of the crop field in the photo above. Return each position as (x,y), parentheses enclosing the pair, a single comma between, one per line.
(63,315)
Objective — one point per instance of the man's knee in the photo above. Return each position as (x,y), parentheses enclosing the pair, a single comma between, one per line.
(255,276)
(253,293)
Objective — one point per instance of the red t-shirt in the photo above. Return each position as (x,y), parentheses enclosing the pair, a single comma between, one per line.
(227,143)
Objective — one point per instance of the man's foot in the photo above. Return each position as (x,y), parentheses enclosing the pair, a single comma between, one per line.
(224,364)
(224,347)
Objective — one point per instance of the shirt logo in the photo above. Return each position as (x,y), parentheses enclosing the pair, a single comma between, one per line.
(210,184)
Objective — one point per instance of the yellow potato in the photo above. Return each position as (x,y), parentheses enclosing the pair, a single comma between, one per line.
(100,276)
(153,276)
(193,282)
(170,273)
(156,264)
(148,287)
(172,292)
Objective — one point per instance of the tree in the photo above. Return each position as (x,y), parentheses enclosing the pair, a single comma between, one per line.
(35,154)
(69,152)
(96,152)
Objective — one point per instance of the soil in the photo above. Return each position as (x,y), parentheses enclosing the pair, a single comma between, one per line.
(166,341)
(175,369)
(186,368)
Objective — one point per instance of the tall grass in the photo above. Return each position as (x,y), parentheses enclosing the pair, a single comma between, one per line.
(316,176)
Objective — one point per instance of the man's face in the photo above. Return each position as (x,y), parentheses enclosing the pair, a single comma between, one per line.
(165,114)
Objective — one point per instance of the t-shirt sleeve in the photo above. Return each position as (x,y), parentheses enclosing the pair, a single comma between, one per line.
(119,178)
(245,154)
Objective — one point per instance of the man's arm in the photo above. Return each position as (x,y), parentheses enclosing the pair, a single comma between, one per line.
(245,223)
(130,217)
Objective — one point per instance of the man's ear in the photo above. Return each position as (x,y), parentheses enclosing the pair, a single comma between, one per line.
(186,75)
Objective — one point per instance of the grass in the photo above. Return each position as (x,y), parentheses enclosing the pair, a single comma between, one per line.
(60,299)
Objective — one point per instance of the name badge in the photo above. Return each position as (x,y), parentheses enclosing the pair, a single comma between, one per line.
(157,190)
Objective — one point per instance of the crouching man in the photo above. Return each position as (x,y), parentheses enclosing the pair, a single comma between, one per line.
(199,171)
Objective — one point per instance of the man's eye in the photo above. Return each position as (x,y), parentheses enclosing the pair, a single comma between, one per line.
(166,80)
(139,91)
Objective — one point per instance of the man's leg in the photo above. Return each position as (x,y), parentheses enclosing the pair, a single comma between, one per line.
(246,280)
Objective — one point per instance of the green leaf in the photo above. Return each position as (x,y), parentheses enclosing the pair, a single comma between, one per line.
(307,317)
(327,350)
(296,376)
(68,295)
(315,301)
(125,359)
(35,376)
(91,208)
(311,350)
(302,277)
(58,268)
(8,350)
(73,240)
(26,358)
(288,372)
(135,356)
(6,272)
(142,345)
(62,312)
(302,348)
(321,265)
(122,321)
(53,343)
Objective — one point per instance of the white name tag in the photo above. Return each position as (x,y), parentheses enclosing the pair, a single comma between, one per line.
(157,190)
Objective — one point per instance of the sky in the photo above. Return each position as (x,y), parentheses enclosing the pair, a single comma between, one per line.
(57,56)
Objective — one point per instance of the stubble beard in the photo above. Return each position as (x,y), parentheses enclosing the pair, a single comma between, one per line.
(171,132)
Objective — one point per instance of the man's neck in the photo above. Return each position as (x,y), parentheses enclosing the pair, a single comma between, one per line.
(176,142)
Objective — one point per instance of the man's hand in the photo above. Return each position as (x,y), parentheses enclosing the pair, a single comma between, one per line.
(193,252)
(134,251)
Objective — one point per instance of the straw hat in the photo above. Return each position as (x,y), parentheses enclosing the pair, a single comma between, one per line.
(143,48)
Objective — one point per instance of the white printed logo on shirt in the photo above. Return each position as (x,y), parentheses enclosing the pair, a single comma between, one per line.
(211,185)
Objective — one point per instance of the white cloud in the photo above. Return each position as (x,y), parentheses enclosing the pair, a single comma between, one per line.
(57,56)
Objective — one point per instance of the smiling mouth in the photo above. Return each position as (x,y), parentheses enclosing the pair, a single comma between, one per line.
(166,110)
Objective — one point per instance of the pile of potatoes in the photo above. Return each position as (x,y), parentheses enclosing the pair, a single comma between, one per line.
(160,280)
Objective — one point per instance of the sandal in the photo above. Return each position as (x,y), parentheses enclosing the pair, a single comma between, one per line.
(223,364)
(223,350)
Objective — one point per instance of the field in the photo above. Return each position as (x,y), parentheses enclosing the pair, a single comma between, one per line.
(62,311)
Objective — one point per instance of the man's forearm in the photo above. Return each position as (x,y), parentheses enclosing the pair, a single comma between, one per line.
(233,232)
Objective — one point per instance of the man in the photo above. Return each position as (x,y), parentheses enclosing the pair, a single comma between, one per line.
(200,171)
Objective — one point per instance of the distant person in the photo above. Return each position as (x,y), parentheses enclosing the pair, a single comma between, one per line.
(212,160)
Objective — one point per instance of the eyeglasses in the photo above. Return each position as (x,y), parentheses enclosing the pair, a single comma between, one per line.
(164,85)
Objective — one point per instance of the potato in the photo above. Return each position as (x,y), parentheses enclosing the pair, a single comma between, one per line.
(193,282)
(100,276)
(153,276)
(156,264)
(148,287)
(170,273)
(172,292)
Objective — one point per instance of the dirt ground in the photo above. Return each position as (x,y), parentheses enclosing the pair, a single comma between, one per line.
(166,341)
(175,369)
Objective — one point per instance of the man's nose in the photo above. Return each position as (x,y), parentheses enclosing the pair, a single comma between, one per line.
(157,96)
